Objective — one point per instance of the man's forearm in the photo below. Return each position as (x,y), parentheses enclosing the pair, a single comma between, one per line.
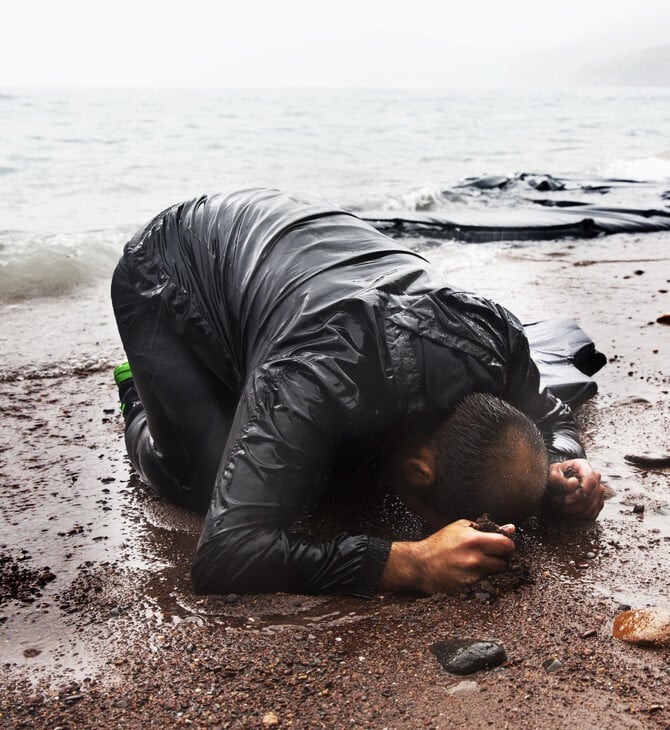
(403,570)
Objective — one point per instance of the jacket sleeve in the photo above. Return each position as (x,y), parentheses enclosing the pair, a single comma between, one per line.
(276,466)
(553,417)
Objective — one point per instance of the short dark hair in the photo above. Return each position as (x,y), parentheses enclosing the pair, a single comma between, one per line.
(490,457)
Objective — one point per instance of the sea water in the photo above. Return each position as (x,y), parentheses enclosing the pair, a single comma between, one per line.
(80,170)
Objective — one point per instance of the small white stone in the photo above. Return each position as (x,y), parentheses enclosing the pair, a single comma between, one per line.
(270,719)
(467,685)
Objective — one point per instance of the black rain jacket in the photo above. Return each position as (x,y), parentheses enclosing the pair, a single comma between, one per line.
(324,330)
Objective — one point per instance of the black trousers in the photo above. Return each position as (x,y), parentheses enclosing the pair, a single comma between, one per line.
(177,440)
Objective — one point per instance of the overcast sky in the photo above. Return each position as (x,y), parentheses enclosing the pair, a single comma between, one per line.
(307,42)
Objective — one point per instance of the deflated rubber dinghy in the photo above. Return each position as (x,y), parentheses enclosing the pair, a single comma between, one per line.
(499,208)
(481,226)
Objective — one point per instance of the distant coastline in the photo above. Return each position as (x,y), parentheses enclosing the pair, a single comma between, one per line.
(649,67)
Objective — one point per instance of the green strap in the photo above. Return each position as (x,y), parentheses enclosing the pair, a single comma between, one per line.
(122,373)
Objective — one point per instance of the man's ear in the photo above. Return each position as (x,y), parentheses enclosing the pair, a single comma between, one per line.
(419,469)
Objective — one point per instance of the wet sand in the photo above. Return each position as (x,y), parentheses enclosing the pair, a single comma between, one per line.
(116,638)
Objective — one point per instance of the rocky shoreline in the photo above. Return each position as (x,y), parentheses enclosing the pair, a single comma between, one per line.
(116,638)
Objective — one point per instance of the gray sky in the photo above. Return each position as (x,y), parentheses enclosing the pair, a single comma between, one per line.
(305,42)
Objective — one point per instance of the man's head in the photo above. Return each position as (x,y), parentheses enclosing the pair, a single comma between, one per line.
(486,456)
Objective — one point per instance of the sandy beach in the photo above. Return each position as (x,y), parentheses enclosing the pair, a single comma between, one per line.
(98,624)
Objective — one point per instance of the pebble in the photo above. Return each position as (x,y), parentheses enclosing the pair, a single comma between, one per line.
(638,509)
(482,596)
(552,665)
(465,656)
(270,719)
(467,685)
(643,626)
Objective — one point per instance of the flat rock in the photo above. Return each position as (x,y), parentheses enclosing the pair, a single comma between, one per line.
(632,401)
(649,459)
(467,685)
(552,665)
(643,626)
(465,656)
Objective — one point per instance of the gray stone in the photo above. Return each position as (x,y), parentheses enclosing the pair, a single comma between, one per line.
(482,596)
(552,665)
(465,656)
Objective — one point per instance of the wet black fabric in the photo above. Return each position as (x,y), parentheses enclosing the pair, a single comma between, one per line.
(186,408)
(308,328)
(501,208)
(570,220)
(566,358)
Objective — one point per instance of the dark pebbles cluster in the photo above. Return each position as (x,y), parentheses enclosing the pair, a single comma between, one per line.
(518,571)
(20,582)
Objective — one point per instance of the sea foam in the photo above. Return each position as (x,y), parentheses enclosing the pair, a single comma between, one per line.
(652,169)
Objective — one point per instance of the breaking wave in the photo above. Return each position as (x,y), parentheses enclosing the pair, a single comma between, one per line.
(33,266)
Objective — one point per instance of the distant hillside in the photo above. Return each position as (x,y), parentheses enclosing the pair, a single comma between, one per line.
(650,67)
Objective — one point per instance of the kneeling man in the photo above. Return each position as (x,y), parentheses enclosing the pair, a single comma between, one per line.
(270,336)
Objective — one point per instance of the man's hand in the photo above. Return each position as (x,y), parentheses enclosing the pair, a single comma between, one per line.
(447,561)
(580,493)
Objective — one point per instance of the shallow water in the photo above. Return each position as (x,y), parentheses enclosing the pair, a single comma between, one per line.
(89,160)
(81,170)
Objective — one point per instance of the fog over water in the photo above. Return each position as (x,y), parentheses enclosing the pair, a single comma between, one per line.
(297,43)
